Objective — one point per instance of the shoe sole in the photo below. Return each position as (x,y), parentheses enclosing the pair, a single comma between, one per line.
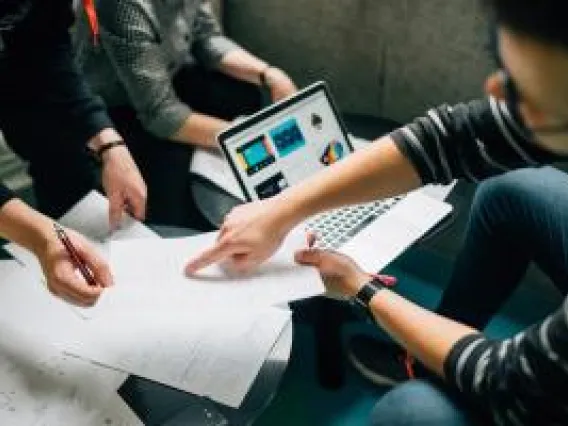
(369,374)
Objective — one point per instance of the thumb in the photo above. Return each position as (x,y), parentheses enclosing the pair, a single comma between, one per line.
(308,257)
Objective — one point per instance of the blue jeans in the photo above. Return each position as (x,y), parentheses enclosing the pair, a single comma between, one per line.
(420,402)
(516,218)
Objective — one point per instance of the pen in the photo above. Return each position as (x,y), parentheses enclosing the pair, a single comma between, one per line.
(75,257)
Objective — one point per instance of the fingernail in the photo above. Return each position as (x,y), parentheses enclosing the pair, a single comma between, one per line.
(388,280)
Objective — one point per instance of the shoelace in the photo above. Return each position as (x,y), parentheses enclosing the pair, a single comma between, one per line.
(89,6)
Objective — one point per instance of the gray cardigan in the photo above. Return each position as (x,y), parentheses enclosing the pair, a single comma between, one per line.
(142,45)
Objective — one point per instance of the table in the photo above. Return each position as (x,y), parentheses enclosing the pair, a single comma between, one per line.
(157,404)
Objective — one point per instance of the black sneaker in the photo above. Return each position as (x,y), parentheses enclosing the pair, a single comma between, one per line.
(383,363)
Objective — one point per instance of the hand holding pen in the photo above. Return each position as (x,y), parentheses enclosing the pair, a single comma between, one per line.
(62,256)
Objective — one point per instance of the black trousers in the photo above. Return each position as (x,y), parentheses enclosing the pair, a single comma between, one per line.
(164,164)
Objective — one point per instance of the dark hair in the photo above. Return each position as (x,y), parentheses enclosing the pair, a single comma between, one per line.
(544,20)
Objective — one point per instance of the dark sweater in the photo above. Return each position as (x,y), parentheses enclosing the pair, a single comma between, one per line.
(37,68)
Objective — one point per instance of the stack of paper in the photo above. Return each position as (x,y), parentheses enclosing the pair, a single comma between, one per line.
(208,335)
(212,354)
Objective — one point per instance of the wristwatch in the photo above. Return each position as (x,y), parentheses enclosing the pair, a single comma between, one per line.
(368,291)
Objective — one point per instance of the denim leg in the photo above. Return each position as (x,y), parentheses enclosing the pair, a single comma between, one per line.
(516,218)
(420,402)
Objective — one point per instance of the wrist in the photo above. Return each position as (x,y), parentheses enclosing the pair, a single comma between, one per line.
(105,141)
(107,150)
(38,235)
(269,76)
(356,282)
(287,213)
(263,77)
(105,136)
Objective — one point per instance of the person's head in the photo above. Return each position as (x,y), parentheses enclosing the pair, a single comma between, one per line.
(533,50)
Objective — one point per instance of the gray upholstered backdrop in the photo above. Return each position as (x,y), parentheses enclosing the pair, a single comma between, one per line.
(390,58)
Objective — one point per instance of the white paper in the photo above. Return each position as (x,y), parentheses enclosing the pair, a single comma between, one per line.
(38,384)
(203,350)
(27,306)
(41,387)
(153,269)
(89,217)
(214,167)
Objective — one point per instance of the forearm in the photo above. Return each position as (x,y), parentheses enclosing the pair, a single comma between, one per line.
(243,66)
(200,130)
(425,335)
(379,171)
(25,226)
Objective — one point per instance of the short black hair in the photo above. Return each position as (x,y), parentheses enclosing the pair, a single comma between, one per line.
(544,20)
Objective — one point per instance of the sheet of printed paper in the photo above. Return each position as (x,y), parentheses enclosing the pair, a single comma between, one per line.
(39,385)
(208,352)
(157,267)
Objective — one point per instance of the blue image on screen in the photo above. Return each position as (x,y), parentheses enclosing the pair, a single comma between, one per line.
(255,153)
(287,137)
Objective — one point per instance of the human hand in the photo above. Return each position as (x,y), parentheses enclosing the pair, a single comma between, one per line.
(250,234)
(341,275)
(60,271)
(280,84)
(123,185)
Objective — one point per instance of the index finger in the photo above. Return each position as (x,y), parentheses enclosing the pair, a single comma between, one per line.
(219,252)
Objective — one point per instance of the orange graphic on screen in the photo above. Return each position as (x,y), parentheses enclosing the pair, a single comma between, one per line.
(333,153)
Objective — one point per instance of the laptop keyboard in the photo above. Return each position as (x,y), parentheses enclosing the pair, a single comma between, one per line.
(336,227)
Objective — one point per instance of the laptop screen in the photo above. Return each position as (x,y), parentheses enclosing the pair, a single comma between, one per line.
(286,143)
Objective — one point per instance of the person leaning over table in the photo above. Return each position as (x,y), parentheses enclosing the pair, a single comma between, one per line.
(172,82)
(50,118)
(517,217)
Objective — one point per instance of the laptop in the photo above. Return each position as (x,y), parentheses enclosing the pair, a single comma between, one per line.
(288,142)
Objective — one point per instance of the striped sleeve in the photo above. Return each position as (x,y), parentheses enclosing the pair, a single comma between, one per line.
(518,381)
(472,141)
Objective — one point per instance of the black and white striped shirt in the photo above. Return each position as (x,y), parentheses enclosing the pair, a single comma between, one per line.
(522,380)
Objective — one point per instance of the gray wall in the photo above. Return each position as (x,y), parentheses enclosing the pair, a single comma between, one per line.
(390,58)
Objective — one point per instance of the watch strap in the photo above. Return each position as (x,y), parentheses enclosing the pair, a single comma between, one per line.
(98,153)
(368,291)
